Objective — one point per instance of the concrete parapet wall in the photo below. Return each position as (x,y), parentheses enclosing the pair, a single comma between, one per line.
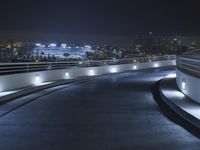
(16,81)
(189,85)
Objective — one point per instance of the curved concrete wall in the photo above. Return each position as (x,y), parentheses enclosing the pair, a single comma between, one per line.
(16,81)
(189,85)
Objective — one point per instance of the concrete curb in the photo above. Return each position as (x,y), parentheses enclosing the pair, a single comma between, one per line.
(32,89)
(189,119)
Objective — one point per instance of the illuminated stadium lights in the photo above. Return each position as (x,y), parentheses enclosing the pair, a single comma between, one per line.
(38,44)
(88,46)
(113,70)
(91,73)
(134,67)
(183,84)
(63,45)
(52,45)
(155,64)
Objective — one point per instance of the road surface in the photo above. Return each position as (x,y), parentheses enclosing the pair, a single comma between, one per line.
(113,112)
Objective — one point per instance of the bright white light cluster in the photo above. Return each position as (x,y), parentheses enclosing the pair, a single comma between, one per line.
(52,45)
(63,45)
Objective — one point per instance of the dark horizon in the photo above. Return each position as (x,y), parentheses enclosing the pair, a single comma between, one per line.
(96,21)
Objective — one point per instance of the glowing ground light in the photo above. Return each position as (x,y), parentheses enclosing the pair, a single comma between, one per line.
(172,75)
(67,74)
(37,78)
(7,93)
(91,72)
(113,70)
(53,45)
(156,65)
(134,67)
(179,94)
(183,84)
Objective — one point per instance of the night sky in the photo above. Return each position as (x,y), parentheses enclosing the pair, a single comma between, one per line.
(60,19)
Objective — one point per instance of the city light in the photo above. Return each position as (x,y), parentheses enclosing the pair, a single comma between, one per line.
(52,45)
(63,45)
(7,93)
(38,44)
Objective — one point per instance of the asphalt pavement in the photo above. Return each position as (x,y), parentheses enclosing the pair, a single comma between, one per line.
(112,112)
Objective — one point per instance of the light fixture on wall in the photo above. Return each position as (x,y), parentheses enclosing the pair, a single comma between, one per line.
(134,67)
(37,78)
(113,70)
(66,74)
(172,75)
(183,84)
(155,64)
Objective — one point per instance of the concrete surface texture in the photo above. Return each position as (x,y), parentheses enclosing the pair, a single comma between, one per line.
(113,112)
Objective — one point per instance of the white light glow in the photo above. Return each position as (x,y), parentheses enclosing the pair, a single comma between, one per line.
(7,93)
(134,67)
(88,46)
(183,84)
(37,79)
(44,83)
(173,94)
(172,75)
(52,45)
(155,64)
(134,61)
(179,94)
(38,44)
(113,70)
(63,45)
(67,74)
(91,73)
(80,62)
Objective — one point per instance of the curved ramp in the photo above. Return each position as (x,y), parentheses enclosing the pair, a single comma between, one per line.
(109,112)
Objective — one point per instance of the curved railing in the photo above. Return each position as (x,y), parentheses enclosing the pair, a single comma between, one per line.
(12,68)
(189,64)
